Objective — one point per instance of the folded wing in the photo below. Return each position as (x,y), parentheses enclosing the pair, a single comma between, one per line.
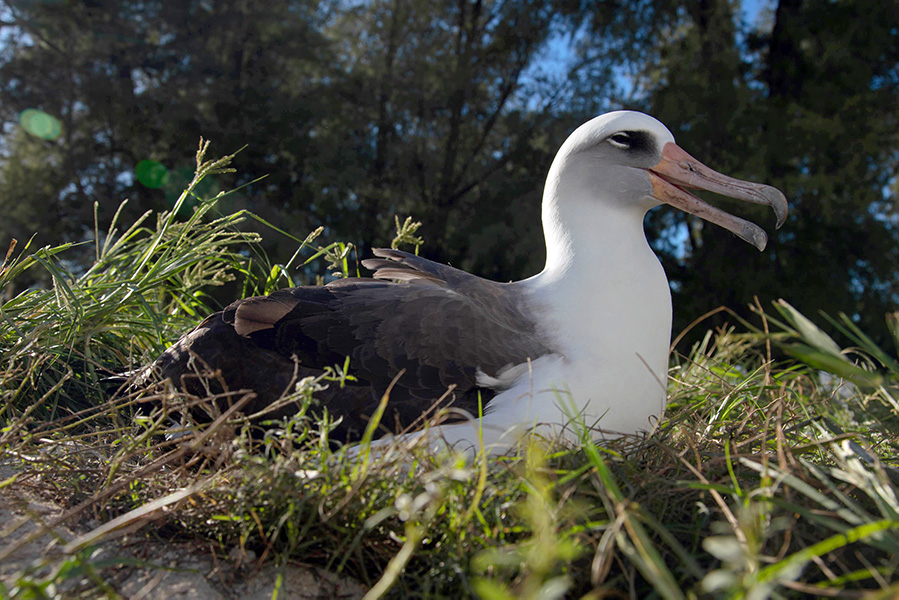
(428,327)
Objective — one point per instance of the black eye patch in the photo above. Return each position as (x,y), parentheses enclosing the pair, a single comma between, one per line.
(637,142)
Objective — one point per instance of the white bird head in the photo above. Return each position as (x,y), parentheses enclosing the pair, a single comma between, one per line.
(628,161)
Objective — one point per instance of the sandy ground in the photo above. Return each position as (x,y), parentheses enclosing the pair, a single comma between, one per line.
(133,567)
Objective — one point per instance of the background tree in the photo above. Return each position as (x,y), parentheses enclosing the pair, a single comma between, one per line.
(452,111)
(134,81)
(805,99)
(452,120)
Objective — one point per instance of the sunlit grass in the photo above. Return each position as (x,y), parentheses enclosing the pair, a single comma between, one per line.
(762,482)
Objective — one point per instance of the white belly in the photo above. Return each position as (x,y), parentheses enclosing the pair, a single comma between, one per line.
(612,364)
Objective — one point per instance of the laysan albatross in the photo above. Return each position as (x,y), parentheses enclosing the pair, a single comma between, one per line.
(585,338)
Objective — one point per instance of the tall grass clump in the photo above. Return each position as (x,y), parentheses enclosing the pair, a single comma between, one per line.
(773,474)
(145,281)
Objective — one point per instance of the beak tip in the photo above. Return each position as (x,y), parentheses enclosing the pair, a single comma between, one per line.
(781,218)
(779,203)
(755,235)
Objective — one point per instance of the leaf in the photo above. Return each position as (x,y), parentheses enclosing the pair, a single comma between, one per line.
(807,330)
(723,547)
(835,364)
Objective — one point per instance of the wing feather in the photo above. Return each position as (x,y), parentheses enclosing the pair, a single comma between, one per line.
(440,333)
(431,327)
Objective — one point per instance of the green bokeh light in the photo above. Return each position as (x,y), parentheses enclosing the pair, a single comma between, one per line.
(40,124)
(151,173)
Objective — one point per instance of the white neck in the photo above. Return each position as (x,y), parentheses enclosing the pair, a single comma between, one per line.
(602,302)
(603,295)
(590,232)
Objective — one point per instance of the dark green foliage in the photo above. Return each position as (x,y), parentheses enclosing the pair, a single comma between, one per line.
(352,113)
(804,100)
(451,112)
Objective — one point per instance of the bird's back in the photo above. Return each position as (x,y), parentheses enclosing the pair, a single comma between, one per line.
(424,331)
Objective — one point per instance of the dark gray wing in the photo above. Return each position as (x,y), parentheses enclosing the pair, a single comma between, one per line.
(428,326)
(213,359)
(439,325)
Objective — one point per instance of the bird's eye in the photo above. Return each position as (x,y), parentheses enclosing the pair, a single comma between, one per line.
(621,140)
